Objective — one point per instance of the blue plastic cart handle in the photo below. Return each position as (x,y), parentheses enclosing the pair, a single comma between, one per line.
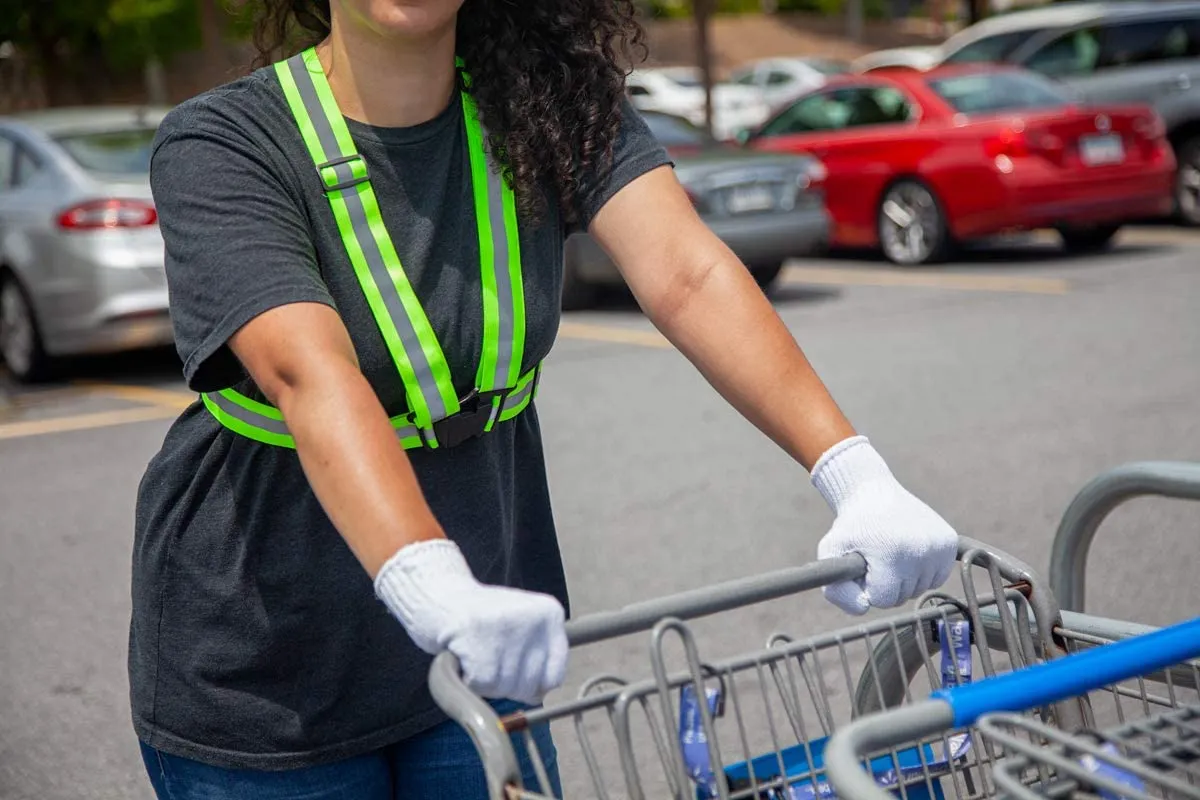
(1074,675)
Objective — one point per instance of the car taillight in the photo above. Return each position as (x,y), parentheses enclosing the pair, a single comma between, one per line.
(1010,143)
(813,176)
(113,213)
(1150,126)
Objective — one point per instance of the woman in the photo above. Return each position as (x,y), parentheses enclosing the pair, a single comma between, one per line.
(364,303)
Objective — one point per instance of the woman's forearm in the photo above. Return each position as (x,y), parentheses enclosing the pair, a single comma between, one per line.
(726,327)
(355,464)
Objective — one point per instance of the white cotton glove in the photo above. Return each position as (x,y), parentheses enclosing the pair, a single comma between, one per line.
(909,549)
(511,643)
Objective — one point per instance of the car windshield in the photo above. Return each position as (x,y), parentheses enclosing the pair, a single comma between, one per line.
(828,67)
(676,132)
(998,91)
(112,152)
(990,48)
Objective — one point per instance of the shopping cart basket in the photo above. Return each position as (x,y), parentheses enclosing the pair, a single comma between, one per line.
(668,733)
(755,725)
(1155,755)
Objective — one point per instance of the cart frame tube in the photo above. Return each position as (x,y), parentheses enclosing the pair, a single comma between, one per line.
(1069,553)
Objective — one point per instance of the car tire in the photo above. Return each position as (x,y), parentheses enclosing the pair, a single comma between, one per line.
(21,347)
(1088,240)
(577,292)
(1187,183)
(911,224)
(767,275)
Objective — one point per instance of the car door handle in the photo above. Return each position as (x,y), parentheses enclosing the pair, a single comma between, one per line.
(1182,82)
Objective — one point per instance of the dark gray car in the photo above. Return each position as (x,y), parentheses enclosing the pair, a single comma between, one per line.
(767,208)
(1112,52)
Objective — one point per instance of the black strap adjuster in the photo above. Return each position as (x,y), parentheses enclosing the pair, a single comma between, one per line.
(343,173)
(475,412)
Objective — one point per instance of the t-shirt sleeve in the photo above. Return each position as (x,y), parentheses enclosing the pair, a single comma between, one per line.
(236,241)
(635,153)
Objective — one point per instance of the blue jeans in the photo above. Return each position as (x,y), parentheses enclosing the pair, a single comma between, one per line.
(440,764)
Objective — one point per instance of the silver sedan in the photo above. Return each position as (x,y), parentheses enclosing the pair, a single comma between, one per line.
(766,207)
(81,256)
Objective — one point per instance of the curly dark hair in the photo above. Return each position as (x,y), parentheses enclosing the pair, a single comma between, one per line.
(547,77)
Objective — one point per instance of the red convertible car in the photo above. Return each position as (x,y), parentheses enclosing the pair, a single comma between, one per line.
(918,161)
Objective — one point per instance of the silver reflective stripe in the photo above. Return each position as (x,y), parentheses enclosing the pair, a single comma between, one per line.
(370,248)
(517,397)
(243,414)
(271,425)
(504,287)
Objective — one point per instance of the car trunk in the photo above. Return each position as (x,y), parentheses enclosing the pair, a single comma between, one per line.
(1079,137)
(725,181)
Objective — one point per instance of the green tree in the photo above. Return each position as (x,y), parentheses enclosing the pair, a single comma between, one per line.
(81,45)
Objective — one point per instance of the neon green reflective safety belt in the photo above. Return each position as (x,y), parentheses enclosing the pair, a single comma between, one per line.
(437,416)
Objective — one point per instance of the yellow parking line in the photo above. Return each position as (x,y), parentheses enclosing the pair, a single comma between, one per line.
(607,333)
(852,276)
(81,422)
(146,395)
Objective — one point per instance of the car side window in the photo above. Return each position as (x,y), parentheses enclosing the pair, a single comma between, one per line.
(8,152)
(637,91)
(877,105)
(777,78)
(842,108)
(1073,53)
(1147,42)
(990,48)
(25,167)
(817,112)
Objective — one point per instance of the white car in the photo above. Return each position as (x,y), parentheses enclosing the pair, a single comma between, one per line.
(779,80)
(680,91)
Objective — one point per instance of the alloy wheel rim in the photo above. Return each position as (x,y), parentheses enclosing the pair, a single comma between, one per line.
(1189,188)
(16,330)
(909,224)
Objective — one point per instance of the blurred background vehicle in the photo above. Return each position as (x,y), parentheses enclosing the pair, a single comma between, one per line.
(766,208)
(1107,52)
(921,160)
(81,256)
(777,80)
(680,91)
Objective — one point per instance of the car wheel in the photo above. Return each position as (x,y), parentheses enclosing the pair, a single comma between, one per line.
(20,343)
(1187,183)
(1088,240)
(577,293)
(766,275)
(911,225)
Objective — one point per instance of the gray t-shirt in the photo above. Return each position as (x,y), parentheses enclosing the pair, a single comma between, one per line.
(256,639)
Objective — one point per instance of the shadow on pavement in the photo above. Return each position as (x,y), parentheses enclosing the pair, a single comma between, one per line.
(1005,253)
(619,299)
(153,366)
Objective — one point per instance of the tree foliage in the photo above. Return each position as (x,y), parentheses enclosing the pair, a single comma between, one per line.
(122,34)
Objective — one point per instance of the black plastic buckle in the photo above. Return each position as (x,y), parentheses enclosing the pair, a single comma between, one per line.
(475,411)
(353,181)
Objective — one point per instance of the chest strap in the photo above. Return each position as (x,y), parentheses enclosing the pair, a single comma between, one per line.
(264,423)
(436,416)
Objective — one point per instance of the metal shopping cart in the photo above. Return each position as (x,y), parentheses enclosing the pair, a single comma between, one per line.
(756,725)
(1156,755)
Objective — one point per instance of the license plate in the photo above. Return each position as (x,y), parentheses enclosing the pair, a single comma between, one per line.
(1101,149)
(748,199)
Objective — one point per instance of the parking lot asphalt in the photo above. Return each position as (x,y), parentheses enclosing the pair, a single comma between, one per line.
(996,386)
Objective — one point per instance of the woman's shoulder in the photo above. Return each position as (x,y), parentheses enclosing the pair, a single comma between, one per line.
(246,111)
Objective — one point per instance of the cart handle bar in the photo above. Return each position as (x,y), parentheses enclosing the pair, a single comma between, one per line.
(1075,674)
